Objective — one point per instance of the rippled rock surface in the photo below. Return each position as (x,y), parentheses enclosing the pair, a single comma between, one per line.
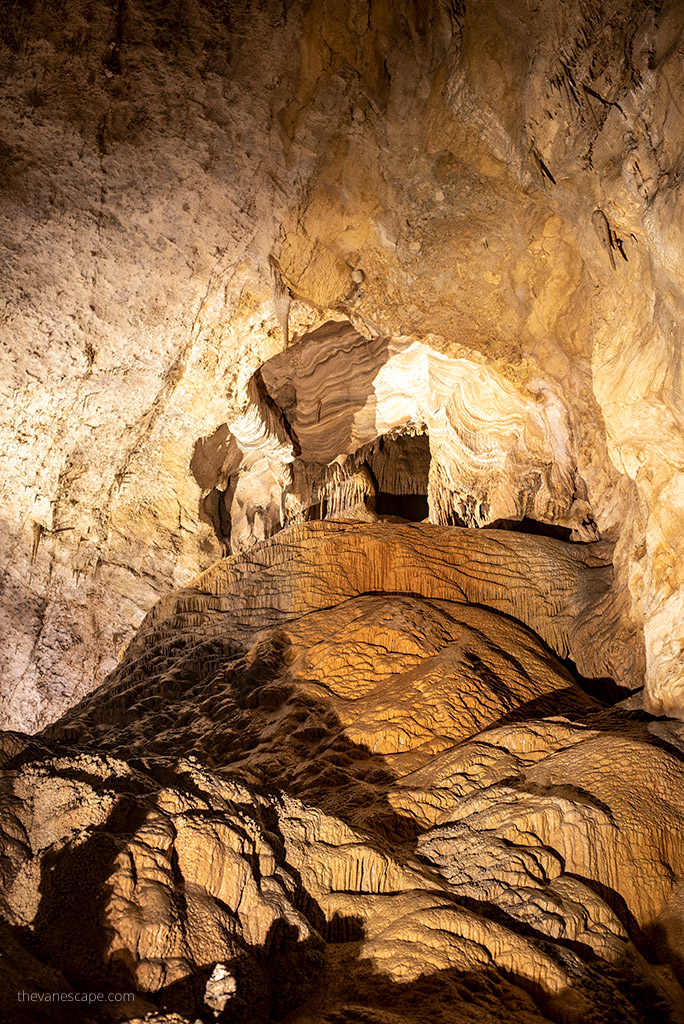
(342,511)
(375,797)
(189,189)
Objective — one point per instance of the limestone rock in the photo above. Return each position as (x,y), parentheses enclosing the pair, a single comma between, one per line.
(326,409)
(427,171)
(342,512)
(564,593)
(355,806)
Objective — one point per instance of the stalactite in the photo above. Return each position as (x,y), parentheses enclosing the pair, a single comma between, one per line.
(345,486)
(281,299)
(494,452)
(37,534)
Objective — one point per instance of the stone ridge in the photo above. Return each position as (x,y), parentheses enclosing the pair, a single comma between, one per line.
(187,187)
(343,806)
(561,591)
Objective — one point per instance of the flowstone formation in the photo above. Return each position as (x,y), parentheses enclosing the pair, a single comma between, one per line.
(372,796)
(485,189)
(335,421)
(342,512)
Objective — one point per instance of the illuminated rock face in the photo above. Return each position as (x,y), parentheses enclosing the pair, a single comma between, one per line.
(311,444)
(340,805)
(565,593)
(493,192)
(381,301)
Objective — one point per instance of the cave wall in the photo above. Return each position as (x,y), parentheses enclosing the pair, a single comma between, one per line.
(496,180)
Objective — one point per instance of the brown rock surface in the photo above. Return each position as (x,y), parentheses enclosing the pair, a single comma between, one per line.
(339,418)
(342,512)
(351,807)
(563,592)
(498,183)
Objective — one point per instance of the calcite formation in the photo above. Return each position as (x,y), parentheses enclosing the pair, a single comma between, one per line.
(187,188)
(564,593)
(342,511)
(330,804)
(493,453)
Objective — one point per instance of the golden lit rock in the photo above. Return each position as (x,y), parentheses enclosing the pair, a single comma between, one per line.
(342,511)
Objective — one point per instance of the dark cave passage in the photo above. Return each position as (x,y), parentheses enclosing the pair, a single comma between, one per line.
(413,507)
(533,526)
(399,466)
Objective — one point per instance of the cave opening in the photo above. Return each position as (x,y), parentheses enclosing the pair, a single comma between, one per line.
(386,479)
(533,526)
(215,511)
(399,466)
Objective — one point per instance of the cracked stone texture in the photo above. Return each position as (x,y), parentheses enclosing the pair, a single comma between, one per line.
(496,181)
(385,809)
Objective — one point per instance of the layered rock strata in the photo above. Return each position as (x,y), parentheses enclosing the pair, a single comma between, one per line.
(306,443)
(333,805)
(186,186)
(562,592)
